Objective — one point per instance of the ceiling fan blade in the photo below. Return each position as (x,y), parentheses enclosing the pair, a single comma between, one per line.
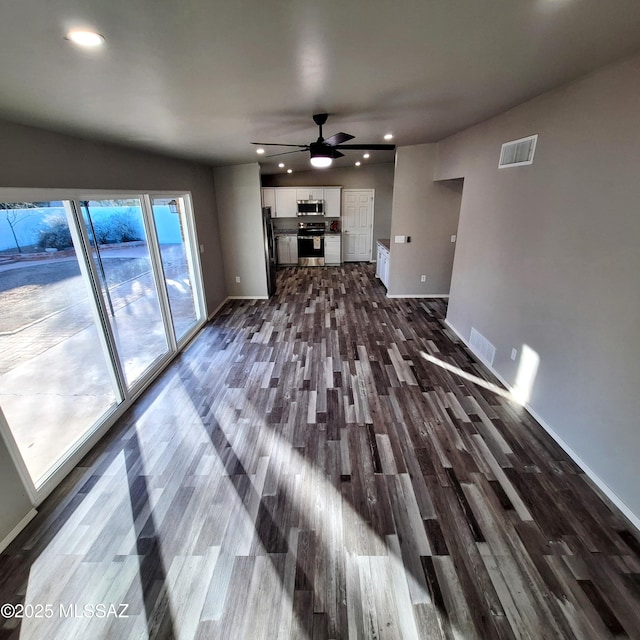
(367,147)
(338,138)
(284,153)
(277,144)
(336,154)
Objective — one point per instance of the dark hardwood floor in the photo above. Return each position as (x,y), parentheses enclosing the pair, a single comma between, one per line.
(301,471)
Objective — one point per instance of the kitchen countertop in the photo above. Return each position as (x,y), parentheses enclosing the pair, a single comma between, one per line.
(385,242)
(285,232)
(294,232)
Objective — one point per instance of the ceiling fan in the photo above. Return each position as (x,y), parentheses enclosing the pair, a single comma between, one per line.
(324,152)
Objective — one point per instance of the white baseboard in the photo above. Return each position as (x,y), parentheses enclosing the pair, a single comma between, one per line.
(215,312)
(418,295)
(633,518)
(10,537)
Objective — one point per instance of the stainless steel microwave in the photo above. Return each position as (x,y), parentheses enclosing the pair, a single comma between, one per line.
(310,207)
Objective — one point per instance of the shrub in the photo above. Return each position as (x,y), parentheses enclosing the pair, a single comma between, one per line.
(54,233)
(117,227)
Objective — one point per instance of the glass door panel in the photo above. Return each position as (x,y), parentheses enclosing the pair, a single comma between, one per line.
(119,244)
(56,381)
(170,219)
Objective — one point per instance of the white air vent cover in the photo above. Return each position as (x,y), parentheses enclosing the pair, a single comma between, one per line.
(482,347)
(518,152)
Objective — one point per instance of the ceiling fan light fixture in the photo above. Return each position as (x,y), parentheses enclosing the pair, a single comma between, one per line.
(321,162)
(85,38)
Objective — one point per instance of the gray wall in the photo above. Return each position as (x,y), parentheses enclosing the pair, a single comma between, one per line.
(240,214)
(367,176)
(548,256)
(427,212)
(34,158)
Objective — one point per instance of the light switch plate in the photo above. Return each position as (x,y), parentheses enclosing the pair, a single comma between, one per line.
(400,239)
(453,238)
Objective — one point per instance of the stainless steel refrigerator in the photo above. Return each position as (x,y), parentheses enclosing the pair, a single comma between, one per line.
(269,249)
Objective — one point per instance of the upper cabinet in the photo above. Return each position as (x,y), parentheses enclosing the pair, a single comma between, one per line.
(310,193)
(285,205)
(269,198)
(332,202)
(284,200)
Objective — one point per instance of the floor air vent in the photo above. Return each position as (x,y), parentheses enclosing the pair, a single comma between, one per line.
(518,152)
(482,347)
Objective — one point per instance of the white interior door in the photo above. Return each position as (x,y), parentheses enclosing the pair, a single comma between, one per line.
(357,224)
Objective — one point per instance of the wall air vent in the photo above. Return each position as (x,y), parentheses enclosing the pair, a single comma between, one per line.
(518,152)
(482,347)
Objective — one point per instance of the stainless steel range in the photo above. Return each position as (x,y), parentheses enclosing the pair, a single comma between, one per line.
(311,244)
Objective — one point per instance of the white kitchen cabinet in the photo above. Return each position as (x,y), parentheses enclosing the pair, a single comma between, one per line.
(287,247)
(332,253)
(269,198)
(382,266)
(332,197)
(309,193)
(286,205)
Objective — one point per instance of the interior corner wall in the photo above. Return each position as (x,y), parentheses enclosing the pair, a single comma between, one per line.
(427,212)
(548,260)
(367,176)
(240,215)
(36,158)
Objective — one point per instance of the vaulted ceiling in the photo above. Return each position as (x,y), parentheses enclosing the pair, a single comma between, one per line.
(202,79)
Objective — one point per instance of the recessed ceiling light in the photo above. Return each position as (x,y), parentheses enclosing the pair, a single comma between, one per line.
(281,165)
(259,151)
(358,163)
(388,136)
(365,156)
(85,38)
(289,170)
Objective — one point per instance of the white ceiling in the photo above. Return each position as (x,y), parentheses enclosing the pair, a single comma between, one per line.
(203,78)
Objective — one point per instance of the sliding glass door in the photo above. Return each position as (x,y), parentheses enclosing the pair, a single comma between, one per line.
(177,256)
(120,250)
(95,295)
(56,379)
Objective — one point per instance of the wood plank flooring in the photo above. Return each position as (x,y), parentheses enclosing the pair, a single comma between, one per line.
(302,472)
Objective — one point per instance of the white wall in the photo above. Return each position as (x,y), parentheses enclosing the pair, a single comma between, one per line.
(240,214)
(548,256)
(427,212)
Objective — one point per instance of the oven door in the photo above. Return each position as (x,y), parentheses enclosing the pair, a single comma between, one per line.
(311,251)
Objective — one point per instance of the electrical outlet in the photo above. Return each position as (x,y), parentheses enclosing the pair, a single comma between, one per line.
(201,248)
(423,278)
(454,238)
(237,278)
(514,354)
